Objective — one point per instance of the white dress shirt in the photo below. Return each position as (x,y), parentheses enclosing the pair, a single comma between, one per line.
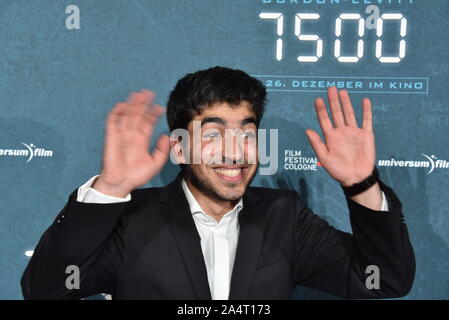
(218,243)
(218,239)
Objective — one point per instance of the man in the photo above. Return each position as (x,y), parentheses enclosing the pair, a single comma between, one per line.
(207,234)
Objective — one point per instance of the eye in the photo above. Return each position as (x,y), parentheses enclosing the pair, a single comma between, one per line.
(212,135)
(248,135)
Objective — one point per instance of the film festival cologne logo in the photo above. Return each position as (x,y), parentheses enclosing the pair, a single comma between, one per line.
(295,160)
(28,152)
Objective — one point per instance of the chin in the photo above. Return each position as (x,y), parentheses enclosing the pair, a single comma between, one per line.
(230,193)
(230,182)
(223,182)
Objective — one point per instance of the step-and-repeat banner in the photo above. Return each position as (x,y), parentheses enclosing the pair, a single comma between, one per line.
(64,64)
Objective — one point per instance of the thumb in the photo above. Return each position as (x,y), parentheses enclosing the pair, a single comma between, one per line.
(318,146)
(161,150)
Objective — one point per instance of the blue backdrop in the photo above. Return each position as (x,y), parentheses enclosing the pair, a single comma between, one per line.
(57,85)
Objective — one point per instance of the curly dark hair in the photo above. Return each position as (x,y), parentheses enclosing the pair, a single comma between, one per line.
(196,91)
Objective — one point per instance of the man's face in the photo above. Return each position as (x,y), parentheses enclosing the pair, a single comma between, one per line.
(228,150)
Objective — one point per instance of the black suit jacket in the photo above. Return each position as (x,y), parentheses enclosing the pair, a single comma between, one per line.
(149,248)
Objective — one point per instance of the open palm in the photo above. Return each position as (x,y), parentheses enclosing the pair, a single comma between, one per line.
(127,162)
(348,153)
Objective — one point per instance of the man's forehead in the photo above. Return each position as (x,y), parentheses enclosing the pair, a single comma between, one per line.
(224,110)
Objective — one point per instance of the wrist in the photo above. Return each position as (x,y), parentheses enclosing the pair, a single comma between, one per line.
(370,198)
(351,188)
(352,181)
(109,189)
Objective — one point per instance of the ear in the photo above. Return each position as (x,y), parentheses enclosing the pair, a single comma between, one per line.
(177,153)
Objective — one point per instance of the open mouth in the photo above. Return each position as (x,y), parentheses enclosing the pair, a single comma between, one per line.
(230,173)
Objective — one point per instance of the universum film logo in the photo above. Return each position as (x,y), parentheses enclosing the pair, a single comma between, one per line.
(431,163)
(30,152)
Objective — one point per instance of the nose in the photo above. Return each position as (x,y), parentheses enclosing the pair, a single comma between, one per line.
(233,148)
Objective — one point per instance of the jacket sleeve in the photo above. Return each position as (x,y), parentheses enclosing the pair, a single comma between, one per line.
(88,236)
(338,263)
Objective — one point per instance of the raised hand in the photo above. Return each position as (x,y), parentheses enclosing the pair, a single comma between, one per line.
(348,154)
(127,162)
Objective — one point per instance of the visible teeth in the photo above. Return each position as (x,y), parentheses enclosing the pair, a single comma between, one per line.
(229,172)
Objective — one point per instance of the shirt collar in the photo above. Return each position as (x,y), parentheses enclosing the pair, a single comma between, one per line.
(195,206)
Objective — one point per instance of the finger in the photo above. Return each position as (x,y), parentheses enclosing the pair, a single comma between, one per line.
(147,96)
(323,116)
(367,114)
(317,144)
(161,150)
(157,111)
(126,116)
(153,114)
(334,103)
(348,110)
(117,116)
(149,118)
(142,115)
(142,97)
(131,116)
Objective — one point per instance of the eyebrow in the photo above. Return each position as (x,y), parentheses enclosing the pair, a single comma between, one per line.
(222,122)
(249,120)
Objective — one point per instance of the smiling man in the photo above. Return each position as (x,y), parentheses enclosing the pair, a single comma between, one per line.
(227,144)
(208,235)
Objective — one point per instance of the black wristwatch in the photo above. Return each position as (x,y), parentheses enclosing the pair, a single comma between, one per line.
(361,186)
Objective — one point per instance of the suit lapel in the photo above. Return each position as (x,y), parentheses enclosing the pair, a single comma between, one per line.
(186,235)
(252,225)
